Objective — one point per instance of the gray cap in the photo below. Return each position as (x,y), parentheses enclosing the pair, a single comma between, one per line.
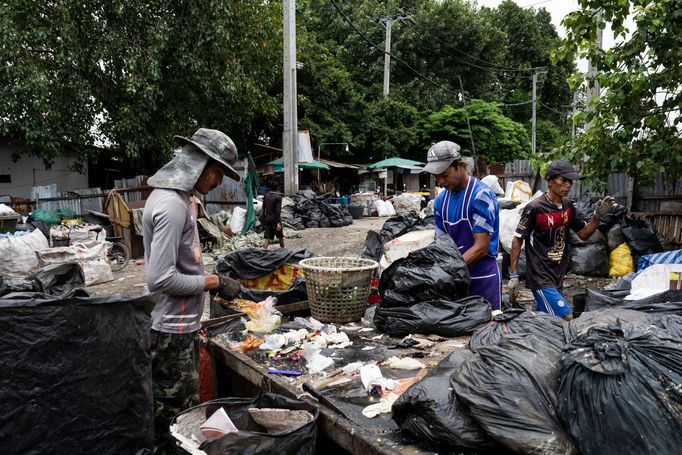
(217,145)
(440,156)
(562,168)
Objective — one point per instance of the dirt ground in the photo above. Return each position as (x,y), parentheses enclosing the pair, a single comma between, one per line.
(344,241)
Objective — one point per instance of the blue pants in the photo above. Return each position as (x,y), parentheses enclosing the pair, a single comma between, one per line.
(550,300)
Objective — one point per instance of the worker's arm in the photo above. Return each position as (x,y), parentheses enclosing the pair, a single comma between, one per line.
(602,209)
(162,274)
(517,243)
(478,250)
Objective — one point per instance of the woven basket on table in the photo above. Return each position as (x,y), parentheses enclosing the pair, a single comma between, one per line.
(338,287)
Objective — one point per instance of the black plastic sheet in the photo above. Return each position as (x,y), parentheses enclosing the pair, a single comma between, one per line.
(604,317)
(252,263)
(437,271)
(76,375)
(429,411)
(252,439)
(590,260)
(58,279)
(517,321)
(510,390)
(598,299)
(449,318)
(619,391)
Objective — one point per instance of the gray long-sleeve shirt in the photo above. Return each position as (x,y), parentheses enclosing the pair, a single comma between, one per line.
(170,263)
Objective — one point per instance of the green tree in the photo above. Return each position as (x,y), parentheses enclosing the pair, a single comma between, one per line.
(133,74)
(496,136)
(390,130)
(633,126)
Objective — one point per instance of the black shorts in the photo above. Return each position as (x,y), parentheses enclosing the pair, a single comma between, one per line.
(270,230)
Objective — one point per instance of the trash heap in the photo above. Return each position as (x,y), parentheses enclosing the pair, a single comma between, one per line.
(308,210)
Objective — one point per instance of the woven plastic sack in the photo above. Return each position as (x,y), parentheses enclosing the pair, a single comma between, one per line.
(620,261)
(19,254)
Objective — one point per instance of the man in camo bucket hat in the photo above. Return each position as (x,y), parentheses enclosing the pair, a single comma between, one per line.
(175,271)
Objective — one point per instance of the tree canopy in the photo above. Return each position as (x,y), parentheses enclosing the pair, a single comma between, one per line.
(130,75)
(633,126)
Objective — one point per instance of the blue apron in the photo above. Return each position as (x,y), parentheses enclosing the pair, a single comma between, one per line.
(485,276)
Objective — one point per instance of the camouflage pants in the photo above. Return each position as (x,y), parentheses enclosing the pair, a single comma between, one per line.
(175,376)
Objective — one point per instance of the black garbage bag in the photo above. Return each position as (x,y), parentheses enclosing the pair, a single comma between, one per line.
(326,222)
(639,235)
(584,207)
(392,228)
(597,237)
(312,224)
(597,299)
(672,323)
(429,411)
(252,437)
(516,321)
(437,271)
(510,390)
(619,391)
(252,263)
(448,318)
(76,375)
(590,260)
(57,279)
(601,318)
(615,237)
(667,302)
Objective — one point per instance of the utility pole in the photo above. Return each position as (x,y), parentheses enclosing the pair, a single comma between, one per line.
(290,133)
(533,119)
(387,21)
(575,111)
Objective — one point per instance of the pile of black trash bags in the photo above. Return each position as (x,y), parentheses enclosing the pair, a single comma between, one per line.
(591,257)
(607,382)
(311,211)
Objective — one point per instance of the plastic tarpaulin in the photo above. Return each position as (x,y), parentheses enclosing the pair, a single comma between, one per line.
(429,410)
(620,392)
(254,263)
(76,375)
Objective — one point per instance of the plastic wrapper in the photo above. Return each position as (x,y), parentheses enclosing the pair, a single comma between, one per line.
(620,393)
(263,317)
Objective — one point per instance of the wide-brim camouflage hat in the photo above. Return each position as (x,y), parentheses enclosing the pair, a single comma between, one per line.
(216,145)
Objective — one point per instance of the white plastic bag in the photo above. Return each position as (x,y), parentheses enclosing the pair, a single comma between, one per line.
(91,256)
(19,254)
(390,208)
(494,184)
(237,221)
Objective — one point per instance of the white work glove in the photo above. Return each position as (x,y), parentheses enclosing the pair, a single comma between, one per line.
(604,206)
(513,285)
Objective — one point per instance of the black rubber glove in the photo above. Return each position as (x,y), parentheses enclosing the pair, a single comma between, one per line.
(228,288)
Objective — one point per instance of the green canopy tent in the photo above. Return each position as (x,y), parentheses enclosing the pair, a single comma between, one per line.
(279,165)
(395,162)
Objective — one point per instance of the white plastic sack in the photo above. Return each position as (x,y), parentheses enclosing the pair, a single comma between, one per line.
(6,210)
(92,232)
(652,280)
(518,191)
(493,183)
(406,203)
(509,219)
(18,254)
(91,256)
(390,208)
(237,220)
(382,209)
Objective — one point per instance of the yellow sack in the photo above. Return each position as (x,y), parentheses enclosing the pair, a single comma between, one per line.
(620,261)
(281,279)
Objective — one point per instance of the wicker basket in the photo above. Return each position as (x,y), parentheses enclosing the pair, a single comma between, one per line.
(338,287)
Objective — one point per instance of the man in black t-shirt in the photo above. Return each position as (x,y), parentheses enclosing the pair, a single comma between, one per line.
(271,216)
(544,223)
